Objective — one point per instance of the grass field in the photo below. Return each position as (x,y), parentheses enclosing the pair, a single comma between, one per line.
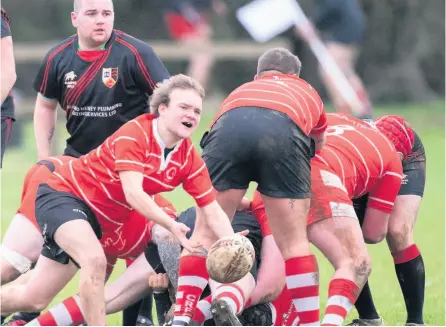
(428,121)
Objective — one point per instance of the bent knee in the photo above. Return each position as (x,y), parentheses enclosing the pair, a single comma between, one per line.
(95,262)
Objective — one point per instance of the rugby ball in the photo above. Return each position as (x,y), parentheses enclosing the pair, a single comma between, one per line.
(230,258)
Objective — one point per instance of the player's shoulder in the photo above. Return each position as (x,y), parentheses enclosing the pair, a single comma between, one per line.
(131,44)
(61,49)
(5,16)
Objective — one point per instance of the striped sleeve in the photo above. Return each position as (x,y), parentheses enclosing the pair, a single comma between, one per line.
(382,196)
(321,125)
(198,183)
(130,148)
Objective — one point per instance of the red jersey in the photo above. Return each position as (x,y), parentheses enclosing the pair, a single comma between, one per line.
(36,175)
(285,93)
(363,159)
(136,146)
(129,240)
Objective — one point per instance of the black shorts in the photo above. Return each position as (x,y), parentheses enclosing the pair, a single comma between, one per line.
(251,144)
(414,170)
(55,208)
(6,133)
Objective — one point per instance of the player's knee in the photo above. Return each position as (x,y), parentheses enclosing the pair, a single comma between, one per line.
(31,302)
(96,262)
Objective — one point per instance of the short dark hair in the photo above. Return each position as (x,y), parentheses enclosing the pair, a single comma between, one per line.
(279,59)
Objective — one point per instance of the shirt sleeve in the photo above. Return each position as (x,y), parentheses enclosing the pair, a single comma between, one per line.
(149,69)
(130,148)
(45,81)
(198,182)
(382,196)
(321,125)
(6,30)
(258,210)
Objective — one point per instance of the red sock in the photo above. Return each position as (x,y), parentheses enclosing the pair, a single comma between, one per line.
(342,294)
(232,294)
(302,280)
(409,253)
(203,311)
(67,313)
(192,279)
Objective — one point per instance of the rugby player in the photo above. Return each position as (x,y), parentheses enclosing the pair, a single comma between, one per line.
(409,265)
(358,159)
(8,78)
(263,132)
(95,193)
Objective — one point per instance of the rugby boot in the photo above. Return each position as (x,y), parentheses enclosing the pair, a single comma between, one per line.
(223,314)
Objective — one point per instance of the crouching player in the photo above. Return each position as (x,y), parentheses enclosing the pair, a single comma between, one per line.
(409,265)
(95,193)
(357,159)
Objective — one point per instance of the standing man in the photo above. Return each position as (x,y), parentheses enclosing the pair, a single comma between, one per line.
(342,23)
(101,78)
(263,133)
(8,78)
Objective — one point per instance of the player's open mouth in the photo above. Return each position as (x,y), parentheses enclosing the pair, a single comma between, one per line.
(187,124)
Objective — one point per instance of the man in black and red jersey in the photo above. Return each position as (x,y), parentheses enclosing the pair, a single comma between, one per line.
(409,265)
(101,78)
(95,194)
(8,78)
(263,133)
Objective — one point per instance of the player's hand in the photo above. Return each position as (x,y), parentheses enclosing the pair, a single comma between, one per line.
(244,232)
(179,230)
(245,205)
(158,282)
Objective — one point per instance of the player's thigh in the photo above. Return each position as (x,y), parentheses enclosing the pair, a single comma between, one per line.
(69,228)
(23,237)
(402,222)
(48,278)
(339,239)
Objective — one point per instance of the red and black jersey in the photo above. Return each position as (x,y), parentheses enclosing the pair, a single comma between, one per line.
(101,91)
(8,104)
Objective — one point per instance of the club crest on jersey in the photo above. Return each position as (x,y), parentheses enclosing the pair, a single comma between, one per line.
(110,76)
(70,79)
(170,174)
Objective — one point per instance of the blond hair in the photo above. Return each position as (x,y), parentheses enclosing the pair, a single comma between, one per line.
(279,59)
(161,94)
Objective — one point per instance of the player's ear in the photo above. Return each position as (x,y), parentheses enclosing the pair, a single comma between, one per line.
(256,76)
(74,19)
(161,108)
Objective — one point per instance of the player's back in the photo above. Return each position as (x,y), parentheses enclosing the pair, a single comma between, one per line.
(285,93)
(358,153)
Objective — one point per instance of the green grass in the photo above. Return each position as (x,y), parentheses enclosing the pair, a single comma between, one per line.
(428,121)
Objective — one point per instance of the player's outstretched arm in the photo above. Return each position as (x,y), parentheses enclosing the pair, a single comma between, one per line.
(143,203)
(8,76)
(216,219)
(45,115)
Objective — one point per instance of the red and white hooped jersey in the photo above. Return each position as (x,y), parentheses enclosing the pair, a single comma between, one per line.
(136,146)
(363,159)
